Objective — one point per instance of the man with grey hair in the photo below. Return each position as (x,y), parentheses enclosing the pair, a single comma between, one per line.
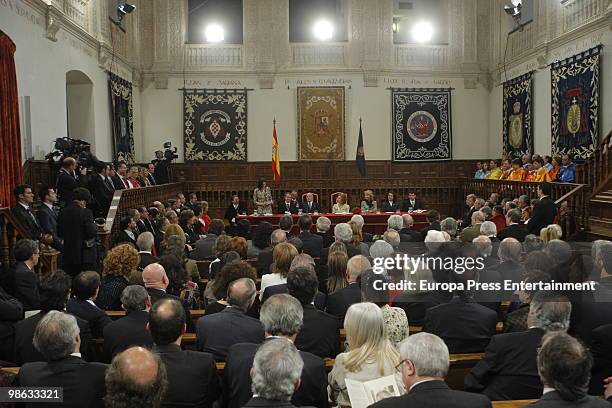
(560,252)
(471,232)
(514,226)
(145,242)
(323,224)
(381,249)
(57,338)
(407,234)
(342,233)
(129,330)
(339,301)
(434,240)
(265,258)
(423,366)
(488,229)
(509,253)
(217,332)
(392,237)
(508,369)
(282,318)
(449,225)
(395,222)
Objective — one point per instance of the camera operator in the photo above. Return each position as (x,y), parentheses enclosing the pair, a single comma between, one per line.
(162,163)
(68,179)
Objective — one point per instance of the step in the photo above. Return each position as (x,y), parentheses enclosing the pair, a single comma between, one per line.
(606,193)
(600,228)
(601,200)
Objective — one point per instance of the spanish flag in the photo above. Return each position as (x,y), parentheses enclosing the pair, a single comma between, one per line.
(275,156)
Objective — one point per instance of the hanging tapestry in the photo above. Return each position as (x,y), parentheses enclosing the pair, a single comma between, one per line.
(421,120)
(575,104)
(215,124)
(320,123)
(122,118)
(517,103)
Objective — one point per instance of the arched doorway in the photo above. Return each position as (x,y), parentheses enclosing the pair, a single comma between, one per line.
(80,106)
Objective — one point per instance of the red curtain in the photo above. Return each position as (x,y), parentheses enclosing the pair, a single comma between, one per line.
(11,172)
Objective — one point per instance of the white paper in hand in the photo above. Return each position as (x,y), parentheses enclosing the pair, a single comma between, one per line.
(364,394)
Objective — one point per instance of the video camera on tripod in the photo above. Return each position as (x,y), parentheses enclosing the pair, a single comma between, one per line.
(76,148)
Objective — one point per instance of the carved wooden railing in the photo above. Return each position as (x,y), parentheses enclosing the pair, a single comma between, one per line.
(597,169)
(10,231)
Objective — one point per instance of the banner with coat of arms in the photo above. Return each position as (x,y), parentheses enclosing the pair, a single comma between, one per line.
(215,124)
(575,104)
(320,123)
(421,124)
(122,118)
(517,108)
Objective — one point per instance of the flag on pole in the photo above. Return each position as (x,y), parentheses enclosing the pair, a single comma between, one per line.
(275,156)
(360,157)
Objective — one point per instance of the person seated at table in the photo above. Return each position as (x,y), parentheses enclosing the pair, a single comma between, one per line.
(495,172)
(294,198)
(506,168)
(262,197)
(554,169)
(368,204)
(341,207)
(288,206)
(234,209)
(540,172)
(518,173)
(412,203)
(310,206)
(567,172)
(390,204)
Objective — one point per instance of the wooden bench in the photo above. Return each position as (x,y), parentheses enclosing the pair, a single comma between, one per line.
(417,329)
(512,404)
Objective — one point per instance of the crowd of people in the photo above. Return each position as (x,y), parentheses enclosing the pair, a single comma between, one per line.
(534,168)
(275,299)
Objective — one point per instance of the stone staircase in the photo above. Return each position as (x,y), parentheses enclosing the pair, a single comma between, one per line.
(601,215)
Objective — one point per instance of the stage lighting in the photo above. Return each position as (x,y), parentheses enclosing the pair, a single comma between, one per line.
(422,32)
(323,30)
(214,33)
(514,10)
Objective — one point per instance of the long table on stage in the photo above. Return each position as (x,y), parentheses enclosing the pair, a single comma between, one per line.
(375,223)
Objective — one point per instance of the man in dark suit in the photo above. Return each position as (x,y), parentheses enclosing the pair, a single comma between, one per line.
(509,253)
(407,234)
(129,330)
(412,203)
(424,364)
(156,282)
(21,281)
(515,229)
(470,201)
(217,332)
(342,233)
(54,289)
(339,301)
(68,179)
(313,244)
(127,233)
(234,209)
(120,180)
(601,350)
(57,339)
(85,289)
(102,190)
(47,215)
(11,312)
(544,211)
(310,206)
(192,375)
(150,174)
(281,316)
(203,247)
(390,204)
(144,223)
(265,259)
(508,369)
(433,218)
(323,224)
(287,206)
(145,243)
(23,211)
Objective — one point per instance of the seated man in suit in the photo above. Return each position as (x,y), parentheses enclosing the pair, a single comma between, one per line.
(508,369)
(509,254)
(282,317)
(145,243)
(277,367)
(285,223)
(449,225)
(85,287)
(156,282)
(515,227)
(265,259)
(390,204)
(136,378)
(127,233)
(23,211)
(342,233)
(412,203)
(216,333)
(601,350)
(288,206)
(407,234)
(192,375)
(310,206)
(339,301)
(130,330)
(323,224)
(47,215)
(312,243)
(58,341)
(54,290)
(204,247)
(234,209)
(564,366)
(433,218)
(21,281)
(468,234)
(423,366)
(11,312)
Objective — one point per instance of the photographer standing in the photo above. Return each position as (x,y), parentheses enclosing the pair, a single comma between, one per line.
(68,179)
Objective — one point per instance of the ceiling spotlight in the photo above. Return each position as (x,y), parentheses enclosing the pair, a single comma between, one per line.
(422,32)
(323,30)
(514,10)
(214,33)
(123,8)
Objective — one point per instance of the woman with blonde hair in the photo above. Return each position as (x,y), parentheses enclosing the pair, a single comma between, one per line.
(341,206)
(336,271)
(372,355)
(118,265)
(282,256)
(368,204)
(357,240)
(553,231)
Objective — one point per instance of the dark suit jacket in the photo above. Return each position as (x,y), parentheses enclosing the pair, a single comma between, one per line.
(66,183)
(264,260)
(434,394)
(231,212)
(146,259)
(553,400)
(350,249)
(418,205)
(601,350)
(409,235)
(465,326)
(517,231)
(327,239)
(511,270)
(101,195)
(339,301)
(386,206)
(82,382)
(125,332)
(415,304)
(309,208)
(24,334)
(151,179)
(259,402)
(319,334)
(320,299)
(123,237)
(192,377)
(433,226)
(117,183)
(544,213)
(508,369)
(313,243)
(27,221)
(95,316)
(47,219)
(283,208)
(590,309)
(11,312)
(75,225)
(203,248)
(237,379)
(22,283)
(216,333)
(467,217)
(146,225)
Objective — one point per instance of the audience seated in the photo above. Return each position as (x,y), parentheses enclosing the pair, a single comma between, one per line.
(433,218)
(204,247)
(11,312)
(131,329)
(144,243)
(265,257)
(283,255)
(407,234)
(313,243)
(343,233)
(359,221)
(261,240)
(85,288)
(323,224)
(230,272)
(21,281)
(516,320)
(601,350)
(423,365)
(339,302)
(118,265)
(416,302)
(334,276)
(468,234)
(24,213)
(156,282)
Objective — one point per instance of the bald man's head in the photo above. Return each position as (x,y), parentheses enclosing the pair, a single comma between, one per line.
(241,293)
(136,376)
(154,276)
(510,250)
(167,321)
